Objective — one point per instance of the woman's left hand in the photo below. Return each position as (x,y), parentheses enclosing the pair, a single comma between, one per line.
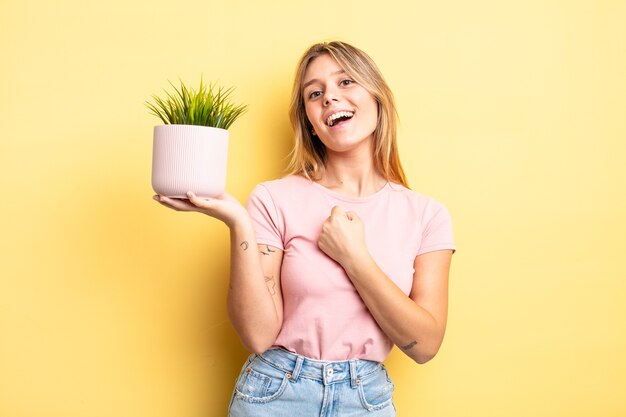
(343,236)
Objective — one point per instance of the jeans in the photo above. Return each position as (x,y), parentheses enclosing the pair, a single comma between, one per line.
(279,383)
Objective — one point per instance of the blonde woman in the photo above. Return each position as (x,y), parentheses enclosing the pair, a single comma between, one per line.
(339,260)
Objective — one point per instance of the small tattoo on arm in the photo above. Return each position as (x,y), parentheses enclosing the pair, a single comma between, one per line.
(409,346)
(267,251)
(271,284)
(244,245)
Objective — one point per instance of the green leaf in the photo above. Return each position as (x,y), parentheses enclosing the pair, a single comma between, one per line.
(209,105)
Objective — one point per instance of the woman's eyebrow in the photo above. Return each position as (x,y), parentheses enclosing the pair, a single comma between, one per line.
(315,80)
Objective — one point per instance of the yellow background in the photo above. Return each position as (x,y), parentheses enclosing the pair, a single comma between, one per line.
(513,114)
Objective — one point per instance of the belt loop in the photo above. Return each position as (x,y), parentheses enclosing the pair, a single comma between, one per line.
(353,376)
(296,370)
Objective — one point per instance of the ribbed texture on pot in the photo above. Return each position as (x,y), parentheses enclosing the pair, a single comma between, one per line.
(189,158)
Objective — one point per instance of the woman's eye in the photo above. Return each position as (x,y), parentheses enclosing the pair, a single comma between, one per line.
(314,94)
(346,82)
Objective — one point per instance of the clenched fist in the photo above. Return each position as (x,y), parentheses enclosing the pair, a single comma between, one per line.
(343,236)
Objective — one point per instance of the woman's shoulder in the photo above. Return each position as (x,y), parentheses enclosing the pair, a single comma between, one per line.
(291,181)
(421,201)
(289,185)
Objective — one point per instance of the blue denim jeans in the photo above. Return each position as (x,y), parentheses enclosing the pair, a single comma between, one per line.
(279,383)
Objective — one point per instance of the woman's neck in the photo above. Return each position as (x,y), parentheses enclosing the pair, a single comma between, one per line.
(352,176)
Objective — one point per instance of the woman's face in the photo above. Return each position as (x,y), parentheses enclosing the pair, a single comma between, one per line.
(342,112)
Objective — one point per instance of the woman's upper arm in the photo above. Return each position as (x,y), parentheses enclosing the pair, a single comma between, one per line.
(271,263)
(430,284)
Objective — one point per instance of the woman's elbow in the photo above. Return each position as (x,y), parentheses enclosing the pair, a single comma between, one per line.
(424,353)
(259,341)
(422,358)
(257,346)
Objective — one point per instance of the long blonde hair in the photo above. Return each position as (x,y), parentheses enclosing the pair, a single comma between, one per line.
(308,156)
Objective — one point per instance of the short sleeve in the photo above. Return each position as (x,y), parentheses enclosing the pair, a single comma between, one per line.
(437,230)
(265,219)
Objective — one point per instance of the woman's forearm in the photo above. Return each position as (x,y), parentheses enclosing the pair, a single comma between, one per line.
(250,305)
(411,327)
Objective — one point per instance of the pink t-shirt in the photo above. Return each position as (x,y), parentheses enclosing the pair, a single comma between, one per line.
(324,317)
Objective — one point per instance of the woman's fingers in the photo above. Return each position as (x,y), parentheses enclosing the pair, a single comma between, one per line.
(225,207)
(204,203)
(175,203)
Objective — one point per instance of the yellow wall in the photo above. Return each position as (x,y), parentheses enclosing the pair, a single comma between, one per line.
(513,114)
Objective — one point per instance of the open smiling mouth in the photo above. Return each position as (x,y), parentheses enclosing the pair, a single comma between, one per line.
(336,118)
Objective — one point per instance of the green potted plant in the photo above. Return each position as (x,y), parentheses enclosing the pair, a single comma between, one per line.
(190,150)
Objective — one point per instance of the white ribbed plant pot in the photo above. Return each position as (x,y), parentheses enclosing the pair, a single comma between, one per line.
(189,158)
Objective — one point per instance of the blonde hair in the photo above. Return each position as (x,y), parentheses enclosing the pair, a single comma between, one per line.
(308,156)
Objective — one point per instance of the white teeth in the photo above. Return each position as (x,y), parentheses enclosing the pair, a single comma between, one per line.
(331,119)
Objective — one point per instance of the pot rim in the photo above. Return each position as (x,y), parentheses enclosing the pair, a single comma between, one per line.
(178,126)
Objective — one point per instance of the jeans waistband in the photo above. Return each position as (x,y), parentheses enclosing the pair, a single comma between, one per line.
(328,372)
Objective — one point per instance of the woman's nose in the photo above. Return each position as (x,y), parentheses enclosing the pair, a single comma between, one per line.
(330,96)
